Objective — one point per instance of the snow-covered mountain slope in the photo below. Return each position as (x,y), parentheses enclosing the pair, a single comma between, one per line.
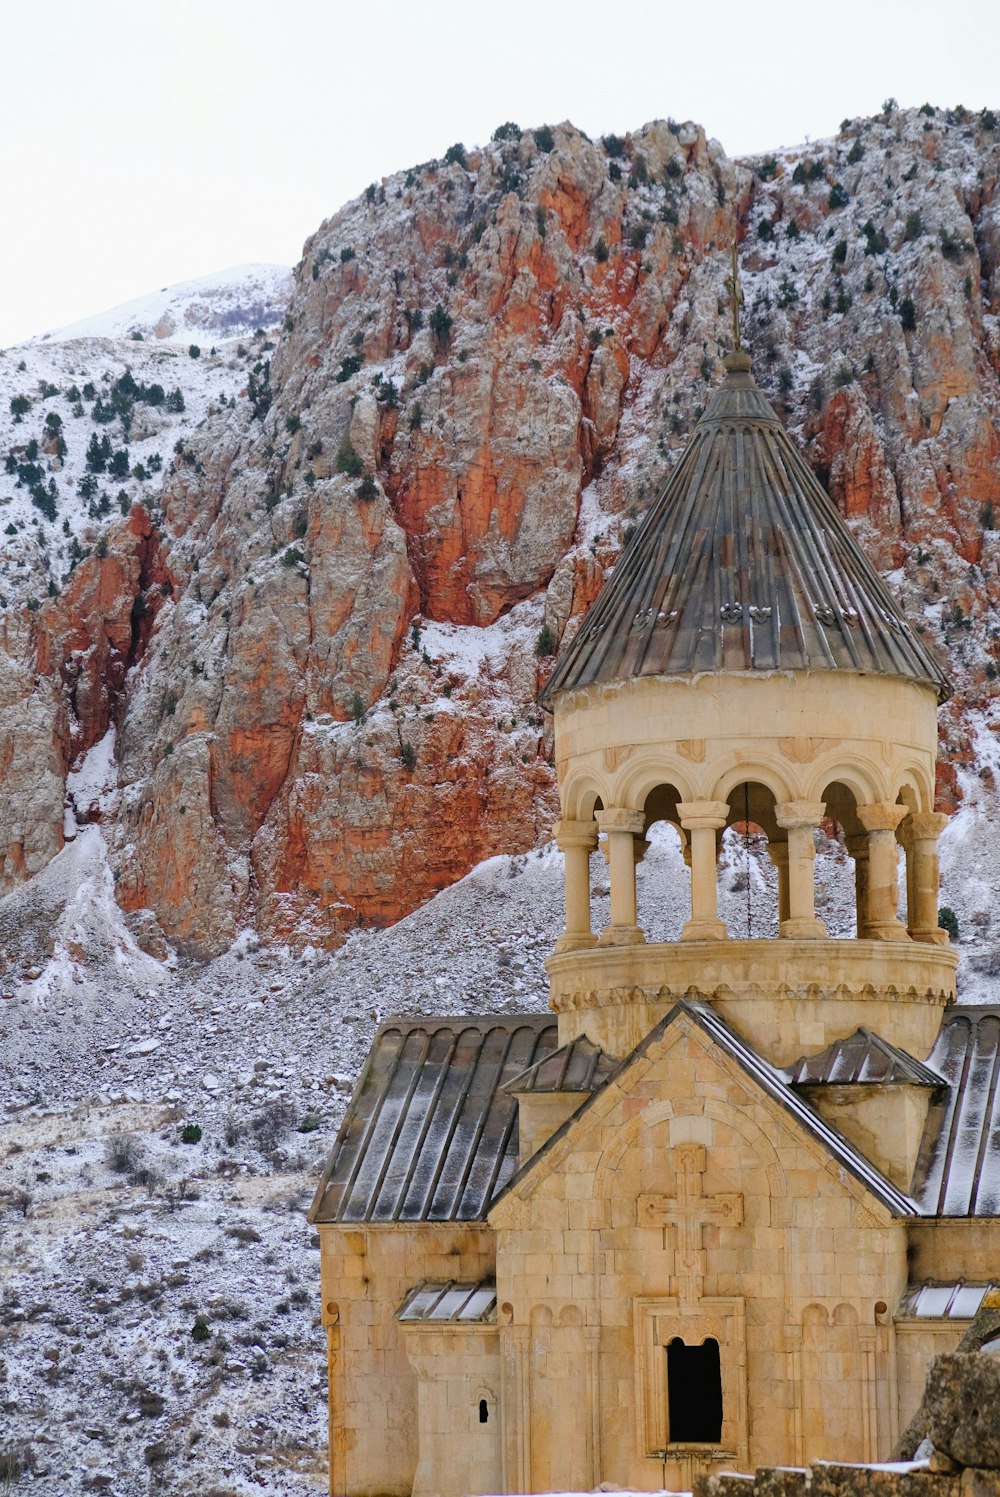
(158,1287)
(231,303)
(93,417)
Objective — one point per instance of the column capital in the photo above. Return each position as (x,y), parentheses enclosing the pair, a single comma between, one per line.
(796,813)
(928,825)
(575,834)
(881,816)
(621,819)
(712,814)
(778,854)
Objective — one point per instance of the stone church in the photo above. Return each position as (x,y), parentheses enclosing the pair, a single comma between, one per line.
(721,1207)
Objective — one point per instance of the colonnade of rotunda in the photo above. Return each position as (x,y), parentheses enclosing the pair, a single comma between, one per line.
(871,832)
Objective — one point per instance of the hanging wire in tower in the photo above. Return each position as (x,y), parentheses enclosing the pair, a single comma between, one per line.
(746,855)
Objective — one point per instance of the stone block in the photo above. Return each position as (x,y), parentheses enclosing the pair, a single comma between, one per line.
(723,1484)
(781,1481)
(879,1481)
(980,1483)
(962,1405)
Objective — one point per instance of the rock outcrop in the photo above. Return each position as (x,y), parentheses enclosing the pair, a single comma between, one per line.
(326,695)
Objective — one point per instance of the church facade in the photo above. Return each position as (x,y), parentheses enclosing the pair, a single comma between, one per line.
(722,1206)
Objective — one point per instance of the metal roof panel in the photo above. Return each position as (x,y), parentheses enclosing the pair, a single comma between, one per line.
(742,564)
(958,1168)
(429,1134)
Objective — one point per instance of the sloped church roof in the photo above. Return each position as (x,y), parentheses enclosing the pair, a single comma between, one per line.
(430,1133)
(742,564)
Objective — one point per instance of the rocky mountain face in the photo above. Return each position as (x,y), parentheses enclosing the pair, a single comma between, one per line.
(319,643)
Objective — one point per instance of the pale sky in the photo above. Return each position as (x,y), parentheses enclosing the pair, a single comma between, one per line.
(145,143)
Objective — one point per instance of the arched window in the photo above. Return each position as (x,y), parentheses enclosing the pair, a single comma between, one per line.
(694,1393)
(484,1411)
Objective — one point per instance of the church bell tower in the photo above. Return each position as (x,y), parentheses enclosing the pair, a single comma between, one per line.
(745,665)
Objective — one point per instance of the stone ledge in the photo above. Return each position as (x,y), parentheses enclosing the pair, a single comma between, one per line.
(909,970)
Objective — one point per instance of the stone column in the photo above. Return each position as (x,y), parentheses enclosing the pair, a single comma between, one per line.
(621,827)
(702,819)
(800,818)
(925,829)
(778,853)
(904,839)
(880,820)
(857,847)
(576,840)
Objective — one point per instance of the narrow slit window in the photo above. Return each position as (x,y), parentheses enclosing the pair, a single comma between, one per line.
(694,1393)
(484,1411)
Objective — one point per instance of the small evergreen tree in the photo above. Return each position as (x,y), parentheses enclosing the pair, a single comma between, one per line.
(348,460)
(441,326)
(545,644)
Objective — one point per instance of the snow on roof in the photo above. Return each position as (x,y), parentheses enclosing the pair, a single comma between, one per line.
(958,1168)
(430,1133)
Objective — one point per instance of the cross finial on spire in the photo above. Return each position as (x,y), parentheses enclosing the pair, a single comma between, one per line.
(736,292)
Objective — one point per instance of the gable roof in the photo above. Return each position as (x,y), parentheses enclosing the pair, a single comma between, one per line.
(742,564)
(863,1058)
(429,1134)
(958,1167)
(767,1077)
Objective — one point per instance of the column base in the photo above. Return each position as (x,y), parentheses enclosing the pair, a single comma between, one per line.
(622,935)
(705,930)
(889,930)
(934,937)
(570,941)
(803,928)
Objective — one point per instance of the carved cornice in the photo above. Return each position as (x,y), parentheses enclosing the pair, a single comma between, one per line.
(814,992)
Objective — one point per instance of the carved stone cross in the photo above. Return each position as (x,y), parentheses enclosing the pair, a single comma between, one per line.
(688,1212)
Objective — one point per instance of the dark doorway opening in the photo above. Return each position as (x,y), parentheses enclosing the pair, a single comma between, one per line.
(694,1393)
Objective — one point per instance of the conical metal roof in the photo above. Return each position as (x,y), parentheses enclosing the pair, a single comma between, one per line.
(743,564)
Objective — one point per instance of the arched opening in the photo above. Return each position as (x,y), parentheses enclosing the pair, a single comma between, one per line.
(663,879)
(694,1393)
(751,852)
(841,863)
(484,1411)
